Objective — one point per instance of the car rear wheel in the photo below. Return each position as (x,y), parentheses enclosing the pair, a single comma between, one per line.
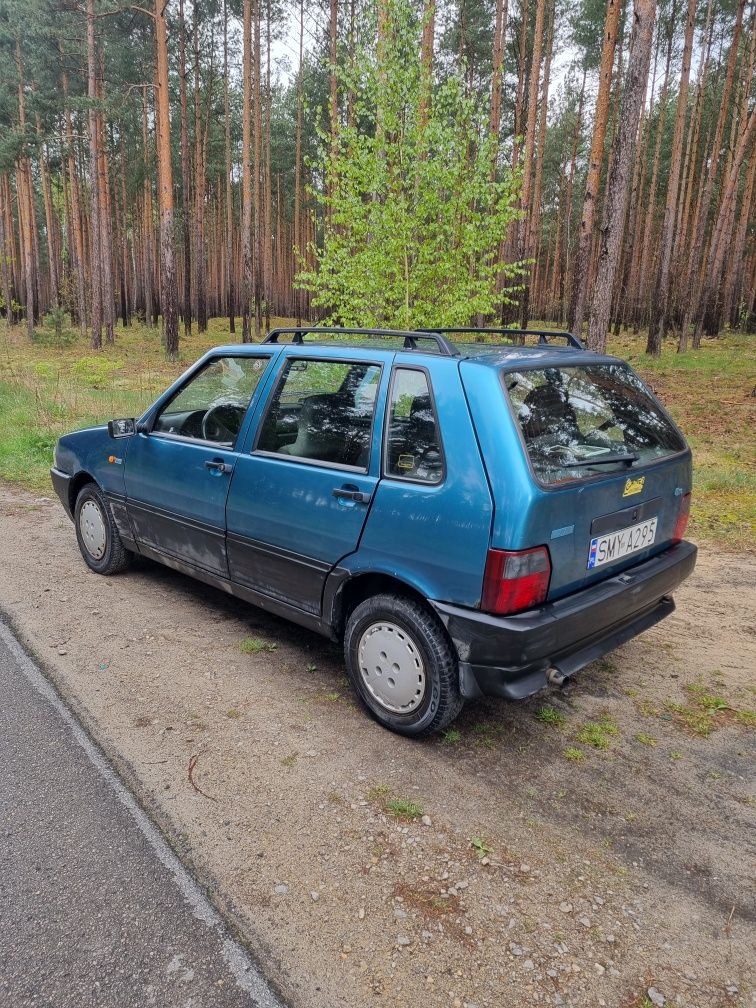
(97,534)
(401,665)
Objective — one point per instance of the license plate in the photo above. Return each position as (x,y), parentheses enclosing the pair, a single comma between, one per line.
(607,548)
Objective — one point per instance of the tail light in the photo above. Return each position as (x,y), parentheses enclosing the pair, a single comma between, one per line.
(682,519)
(515,580)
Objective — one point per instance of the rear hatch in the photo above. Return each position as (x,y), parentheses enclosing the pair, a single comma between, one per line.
(612,471)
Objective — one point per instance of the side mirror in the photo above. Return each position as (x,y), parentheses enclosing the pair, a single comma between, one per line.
(122,428)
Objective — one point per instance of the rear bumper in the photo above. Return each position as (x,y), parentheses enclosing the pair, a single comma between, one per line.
(61,482)
(510,656)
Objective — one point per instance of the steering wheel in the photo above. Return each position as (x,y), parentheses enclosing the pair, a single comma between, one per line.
(221,423)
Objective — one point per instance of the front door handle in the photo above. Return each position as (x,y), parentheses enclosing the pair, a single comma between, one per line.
(217,465)
(343,493)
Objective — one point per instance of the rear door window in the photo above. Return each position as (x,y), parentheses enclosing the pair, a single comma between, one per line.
(577,422)
(413,444)
(323,411)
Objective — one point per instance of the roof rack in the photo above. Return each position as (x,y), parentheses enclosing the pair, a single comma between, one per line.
(544,335)
(445,347)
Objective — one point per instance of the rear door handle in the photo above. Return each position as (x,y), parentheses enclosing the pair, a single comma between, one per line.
(353,495)
(217,465)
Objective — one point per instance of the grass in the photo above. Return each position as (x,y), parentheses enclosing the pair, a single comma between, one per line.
(644,739)
(253,645)
(573,754)
(404,808)
(550,716)
(598,734)
(705,711)
(48,387)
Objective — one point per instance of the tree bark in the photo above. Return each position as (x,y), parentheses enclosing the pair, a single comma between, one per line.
(168,291)
(694,281)
(657,329)
(639,58)
(229,237)
(526,250)
(585,234)
(185,174)
(246,172)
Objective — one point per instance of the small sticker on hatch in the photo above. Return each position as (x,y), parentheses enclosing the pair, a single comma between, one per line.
(633,486)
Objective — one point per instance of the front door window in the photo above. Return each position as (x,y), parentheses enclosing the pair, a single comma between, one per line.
(211,406)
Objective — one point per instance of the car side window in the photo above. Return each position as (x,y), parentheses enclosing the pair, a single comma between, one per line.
(211,406)
(322,410)
(413,443)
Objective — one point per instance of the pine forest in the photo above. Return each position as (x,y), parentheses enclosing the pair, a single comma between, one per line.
(583,163)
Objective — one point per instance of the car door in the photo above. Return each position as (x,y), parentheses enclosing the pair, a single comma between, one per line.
(179,469)
(301,493)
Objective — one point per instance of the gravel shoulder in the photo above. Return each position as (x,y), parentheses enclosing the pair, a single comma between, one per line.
(595,852)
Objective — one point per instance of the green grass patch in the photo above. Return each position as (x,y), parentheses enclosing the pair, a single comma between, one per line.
(403,808)
(573,754)
(550,716)
(644,739)
(598,734)
(452,736)
(253,645)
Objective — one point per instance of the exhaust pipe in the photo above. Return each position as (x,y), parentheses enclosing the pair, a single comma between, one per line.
(556,678)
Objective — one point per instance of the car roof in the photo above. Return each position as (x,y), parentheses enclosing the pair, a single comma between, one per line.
(509,356)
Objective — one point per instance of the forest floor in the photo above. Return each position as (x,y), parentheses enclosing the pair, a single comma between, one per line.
(53,385)
(586,848)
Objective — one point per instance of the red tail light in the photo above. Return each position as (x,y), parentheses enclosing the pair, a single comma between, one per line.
(682,519)
(515,580)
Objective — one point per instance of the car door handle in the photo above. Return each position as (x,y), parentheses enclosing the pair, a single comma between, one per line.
(217,465)
(353,495)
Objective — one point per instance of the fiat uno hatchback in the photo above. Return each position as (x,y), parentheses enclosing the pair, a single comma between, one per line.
(468,519)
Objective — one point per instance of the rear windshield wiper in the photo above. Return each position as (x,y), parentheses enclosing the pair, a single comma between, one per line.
(603,460)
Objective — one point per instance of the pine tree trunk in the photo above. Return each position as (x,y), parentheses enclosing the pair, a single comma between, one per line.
(658,327)
(96,253)
(497,74)
(185,174)
(258,223)
(526,250)
(168,290)
(535,217)
(694,280)
(200,288)
(639,58)
(585,235)
(720,236)
(298,237)
(246,173)
(229,237)
(6,283)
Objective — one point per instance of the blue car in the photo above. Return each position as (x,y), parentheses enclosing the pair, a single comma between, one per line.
(468,519)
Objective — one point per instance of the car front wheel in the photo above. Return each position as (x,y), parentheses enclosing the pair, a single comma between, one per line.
(401,665)
(96,533)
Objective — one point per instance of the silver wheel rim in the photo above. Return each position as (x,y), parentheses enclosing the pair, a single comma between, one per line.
(392,667)
(93,532)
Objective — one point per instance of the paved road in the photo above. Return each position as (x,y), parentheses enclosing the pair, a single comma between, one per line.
(95,910)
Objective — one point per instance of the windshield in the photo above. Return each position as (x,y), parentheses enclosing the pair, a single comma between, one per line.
(580,421)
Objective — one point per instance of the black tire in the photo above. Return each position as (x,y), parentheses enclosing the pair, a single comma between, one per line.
(440,702)
(115,557)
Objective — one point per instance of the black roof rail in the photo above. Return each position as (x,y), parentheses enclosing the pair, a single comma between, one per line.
(543,335)
(445,347)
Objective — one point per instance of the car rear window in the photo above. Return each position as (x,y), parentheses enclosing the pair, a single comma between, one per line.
(578,422)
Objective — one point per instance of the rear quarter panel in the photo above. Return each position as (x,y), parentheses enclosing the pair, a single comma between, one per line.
(434,537)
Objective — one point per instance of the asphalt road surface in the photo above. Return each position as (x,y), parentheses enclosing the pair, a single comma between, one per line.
(95,910)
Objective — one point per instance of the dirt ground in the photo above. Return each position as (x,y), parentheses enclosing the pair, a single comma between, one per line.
(611,869)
